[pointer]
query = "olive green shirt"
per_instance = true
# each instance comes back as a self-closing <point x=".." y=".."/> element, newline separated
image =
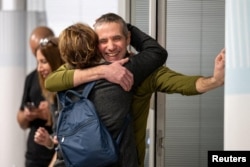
<point x="162" y="80"/>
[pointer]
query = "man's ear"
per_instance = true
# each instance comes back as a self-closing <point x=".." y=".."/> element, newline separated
<point x="128" y="38"/>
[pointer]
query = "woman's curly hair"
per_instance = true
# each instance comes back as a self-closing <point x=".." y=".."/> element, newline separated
<point x="78" y="45"/>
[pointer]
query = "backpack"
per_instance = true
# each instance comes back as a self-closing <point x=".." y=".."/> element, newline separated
<point x="83" y="139"/>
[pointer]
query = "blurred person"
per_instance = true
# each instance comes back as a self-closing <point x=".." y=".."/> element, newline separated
<point x="48" y="59"/>
<point x="34" y="111"/>
<point x="163" y="80"/>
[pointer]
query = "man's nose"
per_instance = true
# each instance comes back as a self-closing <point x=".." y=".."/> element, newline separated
<point x="111" y="45"/>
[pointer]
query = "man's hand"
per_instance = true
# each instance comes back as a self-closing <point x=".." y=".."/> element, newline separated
<point x="30" y="114"/>
<point x="219" y="68"/>
<point x="117" y="73"/>
<point x="204" y="84"/>
<point x="42" y="112"/>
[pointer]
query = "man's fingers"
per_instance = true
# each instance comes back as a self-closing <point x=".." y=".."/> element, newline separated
<point x="123" y="61"/>
<point x="221" y="56"/>
<point x="124" y="86"/>
<point x="127" y="81"/>
<point x="222" y="53"/>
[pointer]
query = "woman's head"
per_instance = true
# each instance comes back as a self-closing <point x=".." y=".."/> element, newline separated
<point x="48" y="56"/>
<point x="78" y="45"/>
<point x="48" y="60"/>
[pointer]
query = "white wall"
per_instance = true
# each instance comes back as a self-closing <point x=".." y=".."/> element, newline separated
<point x="12" y="74"/>
<point x="61" y="15"/>
<point x="237" y="81"/>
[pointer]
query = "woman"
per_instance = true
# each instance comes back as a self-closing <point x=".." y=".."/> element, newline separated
<point x="48" y="59"/>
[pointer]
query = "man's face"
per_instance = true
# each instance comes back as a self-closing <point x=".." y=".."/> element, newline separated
<point x="112" y="42"/>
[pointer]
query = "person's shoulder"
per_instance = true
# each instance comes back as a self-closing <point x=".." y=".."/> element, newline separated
<point x="32" y="74"/>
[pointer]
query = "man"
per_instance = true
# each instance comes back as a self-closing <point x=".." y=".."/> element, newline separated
<point x="34" y="110"/>
<point x="163" y="79"/>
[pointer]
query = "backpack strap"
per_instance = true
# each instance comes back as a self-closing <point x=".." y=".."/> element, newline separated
<point x="85" y="93"/>
<point x="63" y="98"/>
<point x="87" y="88"/>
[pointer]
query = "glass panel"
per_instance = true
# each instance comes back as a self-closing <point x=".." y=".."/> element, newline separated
<point x="140" y="18"/>
<point x="194" y="124"/>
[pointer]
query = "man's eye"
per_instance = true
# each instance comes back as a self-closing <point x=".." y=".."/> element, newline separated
<point x="102" y="41"/>
<point x="117" y="38"/>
